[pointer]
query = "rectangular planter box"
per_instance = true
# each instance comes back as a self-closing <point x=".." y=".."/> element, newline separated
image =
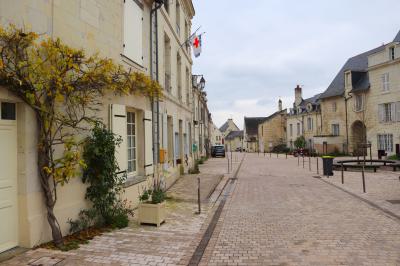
<point x="152" y="213"/>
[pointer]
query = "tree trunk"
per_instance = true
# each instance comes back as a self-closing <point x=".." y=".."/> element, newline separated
<point x="50" y="201"/>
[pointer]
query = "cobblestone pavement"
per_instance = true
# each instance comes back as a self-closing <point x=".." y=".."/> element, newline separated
<point x="171" y="244"/>
<point x="278" y="214"/>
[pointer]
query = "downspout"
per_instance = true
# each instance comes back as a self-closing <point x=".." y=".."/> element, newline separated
<point x="155" y="107"/>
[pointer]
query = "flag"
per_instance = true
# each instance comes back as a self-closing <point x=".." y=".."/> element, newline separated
<point x="196" y="45"/>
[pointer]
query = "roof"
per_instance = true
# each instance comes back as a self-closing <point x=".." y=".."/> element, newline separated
<point x="356" y="63"/>
<point x="397" y="38"/>
<point x="313" y="100"/>
<point x="225" y="126"/>
<point x="251" y="124"/>
<point x="234" y="134"/>
<point x="273" y="115"/>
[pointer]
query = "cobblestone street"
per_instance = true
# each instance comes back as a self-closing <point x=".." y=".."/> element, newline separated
<point x="276" y="213"/>
<point x="279" y="214"/>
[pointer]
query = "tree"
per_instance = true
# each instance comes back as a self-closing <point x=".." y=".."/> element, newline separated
<point x="64" y="87"/>
<point x="300" y="142"/>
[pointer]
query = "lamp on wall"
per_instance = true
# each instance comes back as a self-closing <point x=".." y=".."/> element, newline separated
<point x="201" y="84"/>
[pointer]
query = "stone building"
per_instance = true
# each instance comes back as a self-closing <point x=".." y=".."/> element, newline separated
<point x="250" y="133"/>
<point x="304" y="119"/>
<point x="234" y="140"/>
<point x="228" y="127"/>
<point x="123" y="31"/>
<point x="360" y="107"/>
<point x="272" y="130"/>
<point x="216" y="137"/>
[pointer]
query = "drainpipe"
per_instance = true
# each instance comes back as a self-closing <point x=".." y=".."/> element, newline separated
<point x="347" y="122"/>
<point x="155" y="107"/>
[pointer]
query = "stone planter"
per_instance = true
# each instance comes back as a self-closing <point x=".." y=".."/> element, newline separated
<point x="152" y="213"/>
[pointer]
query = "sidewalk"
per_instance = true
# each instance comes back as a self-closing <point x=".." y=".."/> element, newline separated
<point x="171" y="244"/>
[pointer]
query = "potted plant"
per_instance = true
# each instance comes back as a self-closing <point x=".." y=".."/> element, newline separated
<point x="152" y="204"/>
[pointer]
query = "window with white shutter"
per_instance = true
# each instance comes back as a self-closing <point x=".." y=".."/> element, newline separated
<point x="133" y="31"/>
<point x="131" y="125"/>
<point x="385" y="82"/>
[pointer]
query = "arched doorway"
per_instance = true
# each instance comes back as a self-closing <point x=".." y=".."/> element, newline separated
<point x="359" y="136"/>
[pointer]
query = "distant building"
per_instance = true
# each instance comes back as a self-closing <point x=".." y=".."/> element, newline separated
<point x="234" y="140"/>
<point x="216" y="136"/>
<point x="228" y="126"/>
<point x="304" y="119"/>
<point x="272" y="130"/>
<point x="250" y="133"/>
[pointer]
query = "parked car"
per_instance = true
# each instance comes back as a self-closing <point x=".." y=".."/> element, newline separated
<point x="218" y="151"/>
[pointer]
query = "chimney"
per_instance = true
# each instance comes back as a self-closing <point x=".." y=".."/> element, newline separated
<point x="280" y="105"/>
<point x="297" y="96"/>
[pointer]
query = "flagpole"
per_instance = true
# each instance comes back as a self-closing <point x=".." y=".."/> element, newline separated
<point x="190" y="36"/>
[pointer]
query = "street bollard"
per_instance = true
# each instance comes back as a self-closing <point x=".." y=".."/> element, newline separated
<point x="298" y="160"/>
<point x="317" y="166"/>
<point x="303" y="160"/>
<point x="309" y="163"/>
<point x="286" y="155"/>
<point x="342" y="173"/>
<point x="270" y="154"/>
<point x="363" y="179"/>
<point x="277" y="155"/>
<point x="198" y="193"/>
<point x="228" y="165"/>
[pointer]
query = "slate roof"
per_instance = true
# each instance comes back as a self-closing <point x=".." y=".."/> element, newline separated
<point x="274" y="114"/>
<point x="358" y="63"/>
<point x="234" y="134"/>
<point x="397" y="38"/>
<point x="225" y="126"/>
<point x="251" y="124"/>
<point x="314" y="100"/>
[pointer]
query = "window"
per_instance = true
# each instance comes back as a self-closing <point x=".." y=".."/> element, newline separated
<point x="167" y="63"/>
<point x="334" y="107"/>
<point x="385" y="82"/>
<point x="179" y="76"/>
<point x="178" y="18"/>
<point x="385" y="142"/>
<point x="335" y="129"/>
<point x="359" y="103"/>
<point x="131" y="144"/>
<point x="298" y="129"/>
<point x="392" y="53"/>
<point x="348" y="79"/>
<point x="8" y="111"/>
<point x="291" y="129"/>
<point x="309" y="123"/>
<point x="133" y="31"/>
<point x="387" y="112"/>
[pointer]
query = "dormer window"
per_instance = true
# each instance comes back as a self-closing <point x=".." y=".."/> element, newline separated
<point x="392" y="53"/>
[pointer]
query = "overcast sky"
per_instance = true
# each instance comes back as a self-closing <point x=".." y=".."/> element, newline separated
<point x="256" y="51"/>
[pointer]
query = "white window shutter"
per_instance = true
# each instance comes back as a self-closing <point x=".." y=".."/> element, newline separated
<point x="393" y="112"/>
<point x="398" y="111"/>
<point x="381" y="113"/>
<point x="133" y="31"/>
<point x="148" y="143"/>
<point x="119" y="128"/>
<point x="165" y="131"/>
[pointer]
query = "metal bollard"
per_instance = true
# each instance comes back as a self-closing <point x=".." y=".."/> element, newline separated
<point x="198" y="194"/>
<point x="342" y="173"/>
<point x="363" y="179"/>
<point x="309" y="163"/>
<point x="228" y="165"/>
<point x="303" y="160"/>
<point x="317" y="166"/>
<point x="270" y="154"/>
<point x="286" y="155"/>
<point x="298" y="160"/>
<point x="277" y="155"/>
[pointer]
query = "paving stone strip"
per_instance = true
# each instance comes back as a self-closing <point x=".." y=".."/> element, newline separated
<point x="198" y="254"/>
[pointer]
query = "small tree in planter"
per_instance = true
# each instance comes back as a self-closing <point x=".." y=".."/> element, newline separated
<point x="300" y="142"/>
<point x="152" y="204"/>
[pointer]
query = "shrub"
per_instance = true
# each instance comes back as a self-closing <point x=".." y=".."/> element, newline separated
<point x="394" y="157"/>
<point x="105" y="186"/>
<point x="280" y="148"/>
<point x="300" y="142"/>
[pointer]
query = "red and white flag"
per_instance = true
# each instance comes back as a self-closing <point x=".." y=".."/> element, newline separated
<point x="196" y="45"/>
